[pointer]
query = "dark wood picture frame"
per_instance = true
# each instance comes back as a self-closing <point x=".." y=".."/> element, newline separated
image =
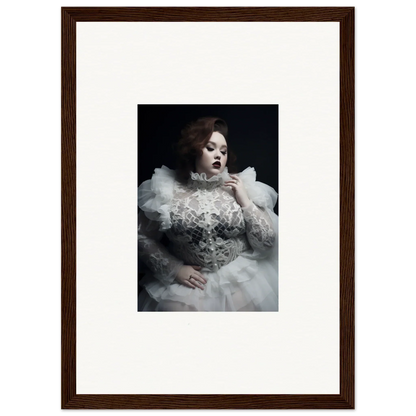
<point x="71" y="400"/>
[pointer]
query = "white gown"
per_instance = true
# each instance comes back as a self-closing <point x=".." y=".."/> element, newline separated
<point x="236" y="247"/>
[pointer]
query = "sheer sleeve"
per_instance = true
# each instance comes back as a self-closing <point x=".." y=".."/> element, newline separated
<point x="154" y="200"/>
<point x="155" y="197"/>
<point x="259" y="228"/>
<point x="261" y="221"/>
<point x="155" y="255"/>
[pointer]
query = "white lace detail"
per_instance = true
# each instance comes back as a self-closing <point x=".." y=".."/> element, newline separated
<point x="154" y="254"/>
<point x="200" y="180"/>
<point x="208" y="228"/>
<point x="259" y="230"/>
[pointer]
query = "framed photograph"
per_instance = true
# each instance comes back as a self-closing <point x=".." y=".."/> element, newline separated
<point x="202" y="220"/>
<point x="275" y="85"/>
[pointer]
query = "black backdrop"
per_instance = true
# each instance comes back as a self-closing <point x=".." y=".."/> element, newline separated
<point x="252" y="131"/>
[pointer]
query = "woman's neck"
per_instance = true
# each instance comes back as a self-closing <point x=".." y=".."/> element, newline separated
<point x="201" y="180"/>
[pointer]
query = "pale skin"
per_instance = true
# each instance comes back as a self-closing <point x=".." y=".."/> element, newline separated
<point x="214" y="151"/>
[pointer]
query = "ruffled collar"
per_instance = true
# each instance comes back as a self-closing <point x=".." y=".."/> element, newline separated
<point x="200" y="180"/>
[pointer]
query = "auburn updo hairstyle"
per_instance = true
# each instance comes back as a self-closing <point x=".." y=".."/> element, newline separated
<point x="194" y="138"/>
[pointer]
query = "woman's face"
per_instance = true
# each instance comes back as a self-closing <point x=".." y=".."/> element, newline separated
<point x="214" y="156"/>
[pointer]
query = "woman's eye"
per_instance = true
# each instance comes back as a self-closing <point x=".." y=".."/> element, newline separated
<point x="210" y="149"/>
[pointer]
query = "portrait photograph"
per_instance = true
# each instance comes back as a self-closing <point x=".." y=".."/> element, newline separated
<point x="204" y="165"/>
<point x="207" y="198"/>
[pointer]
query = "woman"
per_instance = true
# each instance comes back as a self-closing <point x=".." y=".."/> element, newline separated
<point x="222" y="230"/>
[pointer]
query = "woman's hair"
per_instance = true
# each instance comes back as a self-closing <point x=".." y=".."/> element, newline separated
<point x="194" y="138"/>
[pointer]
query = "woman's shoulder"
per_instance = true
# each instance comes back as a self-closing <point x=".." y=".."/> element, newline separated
<point x="248" y="174"/>
<point x="162" y="178"/>
<point x="155" y="195"/>
<point x="164" y="171"/>
<point x="159" y="187"/>
<point x="163" y="174"/>
<point x="260" y="193"/>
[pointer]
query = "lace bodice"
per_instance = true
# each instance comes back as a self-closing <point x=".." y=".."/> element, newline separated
<point x="205" y="225"/>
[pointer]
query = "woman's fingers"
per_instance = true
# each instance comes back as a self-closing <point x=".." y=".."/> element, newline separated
<point x="198" y="279"/>
<point x="231" y="182"/>
<point x="191" y="278"/>
<point x="193" y="282"/>
<point x="189" y="284"/>
<point x="199" y="275"/>
<point x="198" y="284"/>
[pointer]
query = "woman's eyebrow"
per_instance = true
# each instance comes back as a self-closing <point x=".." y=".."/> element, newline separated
<point x="214" y="144"/>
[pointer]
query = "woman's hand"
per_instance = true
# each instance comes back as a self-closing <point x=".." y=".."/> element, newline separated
<point x="191" y="277"/>
<point x="239" y="190"/>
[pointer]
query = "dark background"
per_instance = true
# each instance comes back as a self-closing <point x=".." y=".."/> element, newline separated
<point x="252" y="135"/>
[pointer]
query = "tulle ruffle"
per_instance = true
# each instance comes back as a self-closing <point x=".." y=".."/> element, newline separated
<point x="243" y="284"/>
<point x="155" y="196"/>
<point x="249" y="283"/>
<point x="261" y="194"/>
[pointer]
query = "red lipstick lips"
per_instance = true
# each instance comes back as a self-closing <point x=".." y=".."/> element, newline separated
<point x="216" y="164"/>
